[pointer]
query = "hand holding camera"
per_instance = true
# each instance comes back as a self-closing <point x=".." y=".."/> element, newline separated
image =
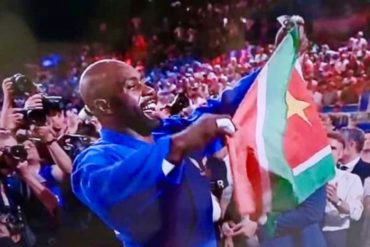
<point x="13" y="156"/>
<point x="8" y="88"/>
<point x="74" y="144"/>
<point x="11" y="118"/>
<point x="23" y="167"/>
<point x="45" y="133"/>
<point x="34" y="102"/>
<point x="37" y="106"/>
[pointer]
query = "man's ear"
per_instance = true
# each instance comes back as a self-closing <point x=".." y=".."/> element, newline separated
<point x="103" y="106"/>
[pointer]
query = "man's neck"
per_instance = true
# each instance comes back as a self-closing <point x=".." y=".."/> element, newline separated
<point x="120" y="127"/>
<point x="351" y="158"/>
<point x="136" y="135"/>
<point x="365" y="156"/>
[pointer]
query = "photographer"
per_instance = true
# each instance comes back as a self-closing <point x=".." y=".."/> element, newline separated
<point x="10" y="229"/>
<point x="6" y="239"/>
<point x="17" y="177"/>
<point x="9" y="118"/>
<point x="63" y="163"/>
<point x="43" y="179"/>
<point x="36" y="118"/>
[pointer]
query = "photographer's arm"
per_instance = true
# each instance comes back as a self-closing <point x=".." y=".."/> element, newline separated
<point x="7" y="91"/>
<point x="7" y="103"/>
<point x="63" y="167"/>
<point x="41" y="192"/>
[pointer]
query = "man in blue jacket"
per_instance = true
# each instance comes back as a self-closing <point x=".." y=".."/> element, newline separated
<point x="299" y="227"/>
<point x="138" y="178"/>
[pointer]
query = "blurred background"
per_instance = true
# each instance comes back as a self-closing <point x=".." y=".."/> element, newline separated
<point x="31" y="30"/>
<point x="189" y="51"/>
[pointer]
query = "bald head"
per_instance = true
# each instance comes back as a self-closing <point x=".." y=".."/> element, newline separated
<point x="114" y="93"/>
<point x="103" y="79"/>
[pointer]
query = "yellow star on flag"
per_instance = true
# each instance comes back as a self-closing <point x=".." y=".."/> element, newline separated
<point x="296" y="106"/>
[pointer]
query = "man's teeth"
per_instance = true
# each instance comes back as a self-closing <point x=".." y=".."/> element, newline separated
<point x="150" y="107"/>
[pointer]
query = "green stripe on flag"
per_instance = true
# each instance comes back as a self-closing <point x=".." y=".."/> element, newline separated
<point x="295" y="36"/>
<point x="316" y="175"/>
<point x="279" y="72"/>
<point x="304" y="185"/>
<point x="283" y="196"/>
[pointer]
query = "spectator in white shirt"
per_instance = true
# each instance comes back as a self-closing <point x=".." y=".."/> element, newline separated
<point x="360" y="41"/>
<point x="345" y="194"/>
<point x="351" y="159"/>
<point x="365" y="231"/>
<point x="365" y="155"/>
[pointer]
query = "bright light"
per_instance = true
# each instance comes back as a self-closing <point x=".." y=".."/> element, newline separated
<point x="225" y="21"/>
<point x="242" y="19"/>
<point x="176" y="4"/>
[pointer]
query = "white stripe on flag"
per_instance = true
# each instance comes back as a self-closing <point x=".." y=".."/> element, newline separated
<point x="298" y="67"/>
<point x="261" y="150"/>
<point x="312" y="160"/>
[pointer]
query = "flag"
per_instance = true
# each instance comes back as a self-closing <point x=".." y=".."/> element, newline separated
<point x="280" y="154"/>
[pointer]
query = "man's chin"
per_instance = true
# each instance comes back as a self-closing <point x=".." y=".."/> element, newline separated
<point x="152" y="115"/>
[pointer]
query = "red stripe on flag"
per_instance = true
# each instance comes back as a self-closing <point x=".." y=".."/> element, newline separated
<point x="302" y="139"/>
<point x="246" y="179"/>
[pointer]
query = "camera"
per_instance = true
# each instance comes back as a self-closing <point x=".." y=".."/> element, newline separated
<point x="50" y="104"/>
<point x="11" y="156"/>
<point x="179" y="103"/>
<point x="22" y="85"/>
<point x="17" y="152"/>
<point x="13" y="221"/>
<point x="87" y="128"/>
<point x="74" y="144"/>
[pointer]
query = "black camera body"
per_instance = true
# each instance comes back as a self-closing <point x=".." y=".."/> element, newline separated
<point x="11" y="156"/>
<point x="17" y="152"/>
<point x="38" y="116"/>
<point x="74" y="144"/>
<point x="24" y="87"/>
<point x="180" y="102"/>
<point x="13" y="221"/>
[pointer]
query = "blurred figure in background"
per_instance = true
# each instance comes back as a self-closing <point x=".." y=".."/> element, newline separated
<point x="345" y="194"/>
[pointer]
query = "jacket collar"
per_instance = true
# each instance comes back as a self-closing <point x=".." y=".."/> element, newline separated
<point x="120" y="138"/>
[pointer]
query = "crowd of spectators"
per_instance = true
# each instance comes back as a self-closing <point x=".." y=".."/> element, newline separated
<point x="337" y="77"/>
<point x="36" y="204"/>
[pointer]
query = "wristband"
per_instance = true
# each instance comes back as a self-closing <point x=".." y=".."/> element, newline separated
<point x="339" y="203"/>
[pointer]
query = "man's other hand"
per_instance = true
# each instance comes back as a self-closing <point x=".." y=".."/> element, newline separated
<point x="246" y="227"/>
<point x="199" y="134"/>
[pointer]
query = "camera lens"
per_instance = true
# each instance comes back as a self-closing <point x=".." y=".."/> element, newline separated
<point x="36" y="117"/>
<point x="18" y="152"/>
<point x="22" y="85"/>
